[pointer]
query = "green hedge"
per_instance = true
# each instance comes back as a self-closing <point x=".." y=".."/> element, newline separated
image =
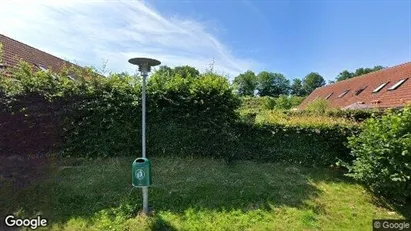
<point x="187" y="116"/>
<point x="294" y="144"/>
<point x="354" y="115"/>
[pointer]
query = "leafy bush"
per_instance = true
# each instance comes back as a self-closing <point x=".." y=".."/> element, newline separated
<point x="309" y="145"/>
<point x="351" y="115"/>
<point x="382" y="153"/>
<point x="102" y="116"/>
<point x="268" y="102"/>
<point x="355" y="115"/>
<point x="188" y="115"/>
<point x="282" y="102"/>
<point x="256" y="104"/>
<point x="296" y="101"/>
<point x="318" y="106"/>
<point x="301" y="118"/>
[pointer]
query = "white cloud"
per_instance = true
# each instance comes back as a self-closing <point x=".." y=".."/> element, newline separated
<point x="91" y="31"/>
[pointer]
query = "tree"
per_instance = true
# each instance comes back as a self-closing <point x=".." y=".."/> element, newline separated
<point x="312" y="81"/>
<point x="360" y="71"/>
<point x="161" y="76"/>
<point x="344" y="75"/>
<point x="297" y="88"/>
<point x="163" y="71"/>
<point x="245" y="83"/>
<point x="363" y="71"/>
<point x="272" y="84"/>
<point x="186" y="71"/>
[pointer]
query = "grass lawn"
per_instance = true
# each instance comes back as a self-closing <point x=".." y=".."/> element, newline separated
<point x="195" y="194"/>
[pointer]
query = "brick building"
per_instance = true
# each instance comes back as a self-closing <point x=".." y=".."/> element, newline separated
<point x="386" y="88"/>
<point x="14" y="51"/>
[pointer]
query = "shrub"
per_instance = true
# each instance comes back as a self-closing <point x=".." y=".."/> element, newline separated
<point x="318" y="106"/>
<point x="256" y="104"/>
<point x="301" y="118"/>
<point x="296" y="100"/>
<point x="382" y="153"/>
<point x="102" y="116"/>
<point x="268" y="102"/>
<point x="355" y="115"/>
<point x="305" y="145"/>
<point x="283" y="102"/>
<point x="187" y="116"/>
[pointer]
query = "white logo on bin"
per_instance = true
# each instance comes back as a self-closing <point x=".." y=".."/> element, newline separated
<point x="140" y="174"/>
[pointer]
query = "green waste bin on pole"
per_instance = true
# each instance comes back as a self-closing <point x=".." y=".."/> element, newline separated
<point x="141" y="172"/>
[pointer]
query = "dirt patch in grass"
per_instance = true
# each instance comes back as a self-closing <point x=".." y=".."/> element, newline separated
<point x="23" y="171"/>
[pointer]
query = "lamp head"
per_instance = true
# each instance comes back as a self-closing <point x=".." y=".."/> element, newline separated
<point x="144" y="64"/>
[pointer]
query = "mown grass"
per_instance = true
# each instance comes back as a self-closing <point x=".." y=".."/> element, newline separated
<point x="196" y="194"/>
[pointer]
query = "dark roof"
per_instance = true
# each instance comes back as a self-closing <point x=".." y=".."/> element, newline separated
<point x="384" y="98"/>
<point x="14" y="51"/>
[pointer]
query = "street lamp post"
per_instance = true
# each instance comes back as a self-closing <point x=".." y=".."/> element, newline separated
<point x="144" y="66"/>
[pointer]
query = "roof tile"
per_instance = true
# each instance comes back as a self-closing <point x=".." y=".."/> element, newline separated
<point x="14" y="51"/>
<point x="384" y="98"/>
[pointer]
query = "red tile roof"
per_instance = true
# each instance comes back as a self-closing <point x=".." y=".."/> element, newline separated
<point x="14" y="51"/>
<point x="382" y="99"/>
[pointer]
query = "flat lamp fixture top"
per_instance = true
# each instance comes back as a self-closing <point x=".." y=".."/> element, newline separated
<point x="144" y="61"/>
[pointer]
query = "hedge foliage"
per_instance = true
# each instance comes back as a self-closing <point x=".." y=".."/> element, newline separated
<point x="188" y="115"/>
<point x="354" y="115"/>
<point x="382" y="153"/>
<point x="282" y="102"/>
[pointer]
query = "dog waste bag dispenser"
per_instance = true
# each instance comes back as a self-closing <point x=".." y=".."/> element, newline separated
<point x="141" y="172"/>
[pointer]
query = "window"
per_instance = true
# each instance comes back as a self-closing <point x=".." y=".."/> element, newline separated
<point x="3" y="66"/>
<point x="43" y="68"/>
<point x="357" y="92"/>
<point x="379" y="87"/>
<point x="395" y="86"/>
<point x="328" y="96"/>
<point x="342" y="94"/>
<point x="71" y="77"/>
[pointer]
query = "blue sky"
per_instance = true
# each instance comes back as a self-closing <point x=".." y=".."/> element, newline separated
<point x="289" y="37"/>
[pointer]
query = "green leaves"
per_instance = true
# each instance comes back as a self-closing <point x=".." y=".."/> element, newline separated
<point x="312" y="81"/>
<point x="245" y="84"/>
<point x="102" y="116"/>
<point x="272" y="84"/>
<point x="382" y="154"/>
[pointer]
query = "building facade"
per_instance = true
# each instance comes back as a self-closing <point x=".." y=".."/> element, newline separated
<point x="386" y="88"/>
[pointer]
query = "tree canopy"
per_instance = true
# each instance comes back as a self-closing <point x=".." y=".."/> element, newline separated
<point x="265" y="83"/>
<point x="312" y="81"/>
<point x="186" y="71"/>
<point x="360" y="71"/>
<point x="245" y="84"/>
<point x="297" y="88"/>
<point x="272" y="84"/>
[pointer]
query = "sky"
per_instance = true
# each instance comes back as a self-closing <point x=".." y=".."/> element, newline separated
<point x="293" y="37"/>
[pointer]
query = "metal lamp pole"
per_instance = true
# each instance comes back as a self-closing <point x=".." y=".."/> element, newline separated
<point x="144" y="66"/>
